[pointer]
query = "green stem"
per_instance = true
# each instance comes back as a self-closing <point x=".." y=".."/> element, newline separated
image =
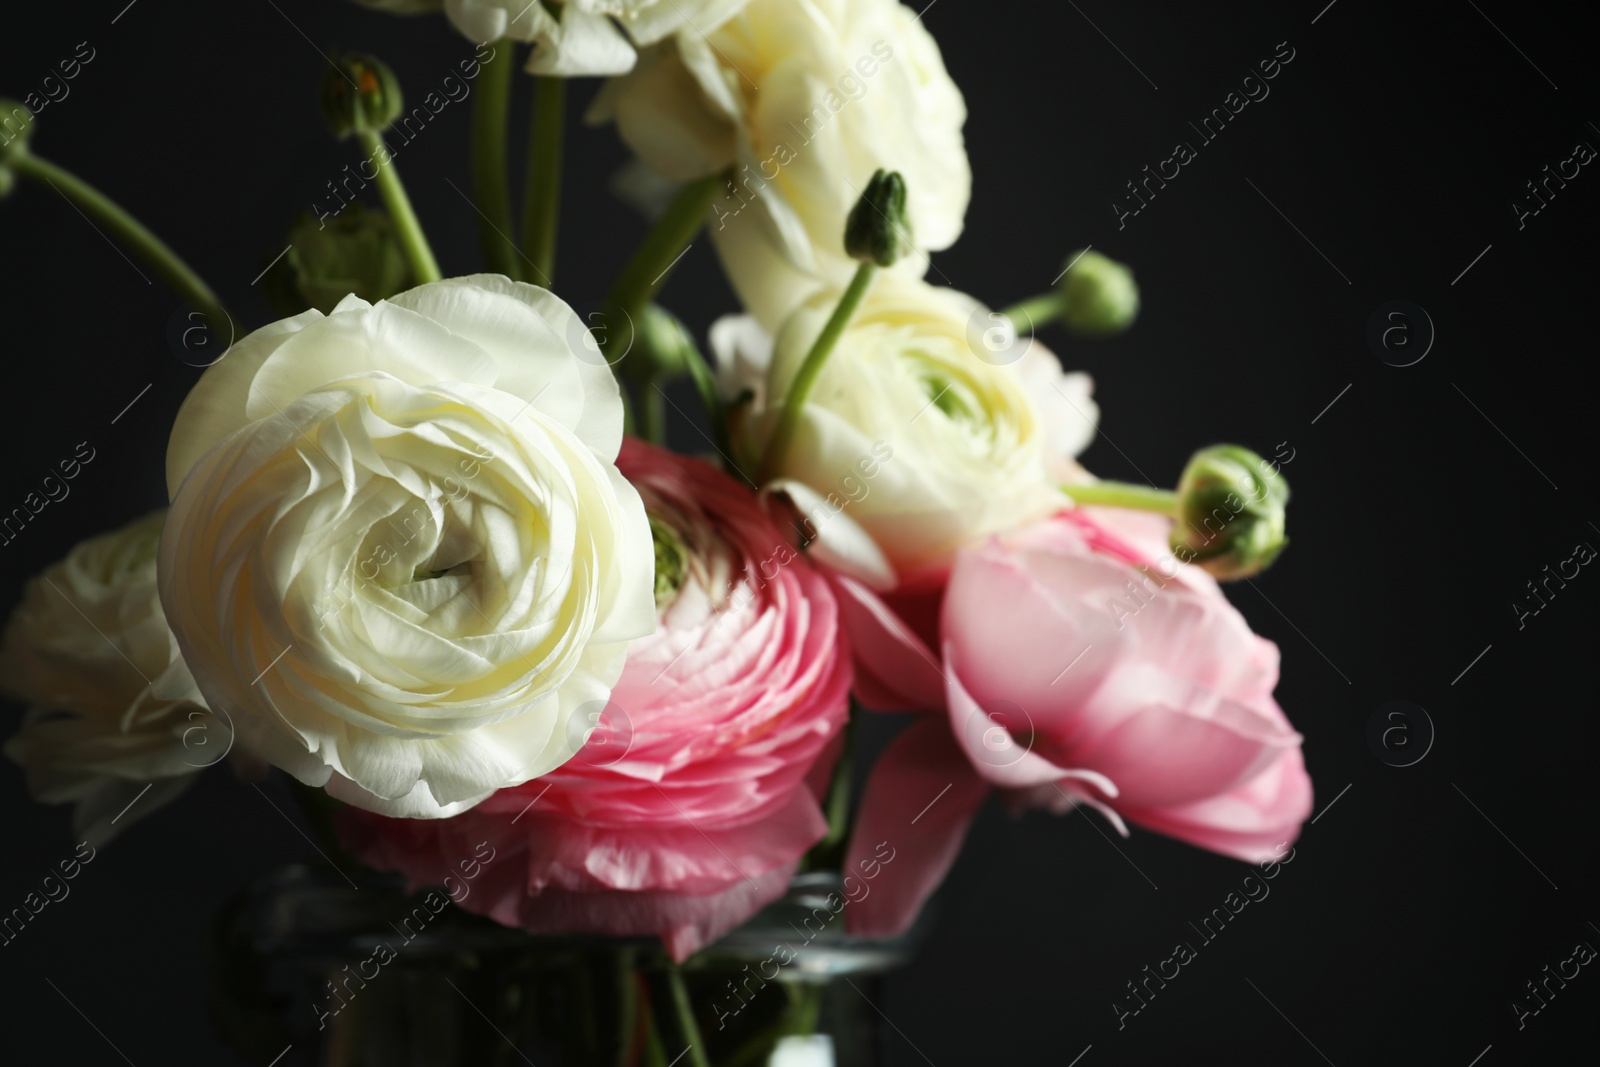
<point x="799" y="1019"/>
<point x="706" y="384"/>
<point x="542" y="199"/>
<point x="1123" y="495"/>
<point x="654" y="1054"/>
<point x="794" y="401"/>
<point x="130" y="232"/>
<point x="1038" y="310"/>
<point x="652" y="412"/>
<point x="627" y="990"/>
<point x="675" y="1029"/>
<point x="412" y="240"/>
<point x="805" y="1009"/>
<point x="491" y="189"/>
<point x="641" y="279"/>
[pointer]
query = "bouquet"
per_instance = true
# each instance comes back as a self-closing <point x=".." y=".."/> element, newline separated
<point x="425" y="552"/>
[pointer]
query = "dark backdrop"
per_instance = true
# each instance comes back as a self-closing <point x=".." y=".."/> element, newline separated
<point x="1384" y="162"/>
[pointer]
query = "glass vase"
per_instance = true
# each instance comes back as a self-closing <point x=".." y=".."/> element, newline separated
<point x="307" y="967"/>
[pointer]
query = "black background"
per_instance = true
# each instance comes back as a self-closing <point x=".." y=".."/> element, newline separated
<point x="1395" y="141"/>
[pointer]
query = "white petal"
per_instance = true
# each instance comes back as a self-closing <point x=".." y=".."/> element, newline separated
<point x="581" y="44"/>
<point x="839" y="542"/>
<point x="215" y="407"/>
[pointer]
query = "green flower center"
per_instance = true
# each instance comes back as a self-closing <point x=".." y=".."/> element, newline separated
<point x="672" y="561"/>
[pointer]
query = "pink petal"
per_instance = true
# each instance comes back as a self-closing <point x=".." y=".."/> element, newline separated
<point x="895" y="669"/>
<point x="1248" y="822"/>
<point x="1174" y="742"/>
<point x="919" y="801"/>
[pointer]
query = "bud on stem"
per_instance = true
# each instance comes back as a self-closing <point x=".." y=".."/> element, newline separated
<point x="360" y="94"/>
<point x="355" y="252"/>
<point x="1230" y="509"/>
<point x="878" y="229"/>
<point x="878" y="232"/>
<point x="1096" y="297"/>
<point x="16" y="127"/>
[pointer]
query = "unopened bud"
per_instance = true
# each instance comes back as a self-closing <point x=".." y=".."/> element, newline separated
<point x="665" y="343"/>
<point x="355" y="251"/>
<point x="360" y="94"/>
<point x="879" y="229"/>
<point x="1098" y="296"/>
<point x="16" y="126"/>
<point x="1232" y="507"/>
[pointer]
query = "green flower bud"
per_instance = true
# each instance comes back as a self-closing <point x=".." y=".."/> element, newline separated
<point x="360" y="94"/>
<point x="355" y="251"/>
<point x="672" y="561"/>
<point x="1098" y="296"/>
<point x="878" y="229"/>
<point x="666" y="344"/>
<point x="16" y="126"/>
<point x="1231" y="512"/>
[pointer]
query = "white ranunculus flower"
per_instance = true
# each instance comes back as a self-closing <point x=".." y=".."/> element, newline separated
<point x="972" y="438"/>
<point x="399" y="552"/>
<point x="112" y="709"/>
<point x="578" y="37"/>
<point x="806" y="99"/>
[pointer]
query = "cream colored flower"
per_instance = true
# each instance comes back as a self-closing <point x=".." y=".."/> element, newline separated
<point x="805" y="99"/>
<point x="113" y="711"/>
<point x="400" y="553"/>
<point x="978" y="440"/>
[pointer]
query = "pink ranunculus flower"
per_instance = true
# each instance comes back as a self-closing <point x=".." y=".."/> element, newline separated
<point x="1082" y="664"/>
<point x="695" y="796"/>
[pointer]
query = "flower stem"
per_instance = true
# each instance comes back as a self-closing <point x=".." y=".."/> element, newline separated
<point x="805" y="379"/>
<point x="626" y="985"/>
<point x="412" y="240"/>
<point x="1123" y="495"/>
<point x="652" y="412"/>
<point x="653" y="259"/>
<point x="805" y="1008"/>
<point x="491" y="189"/>
<point x="646" y="1040"/>
<point x="674" y="1016"/>
<point x="705" y="383"/>
<point x="131" y="232"/>
<point x="542" y="198"/>
<point x="654" y="1054"/>
<point x="1038" y="310"/>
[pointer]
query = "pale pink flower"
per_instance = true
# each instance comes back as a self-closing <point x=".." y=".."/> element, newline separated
<point x="1081" y="664"/>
